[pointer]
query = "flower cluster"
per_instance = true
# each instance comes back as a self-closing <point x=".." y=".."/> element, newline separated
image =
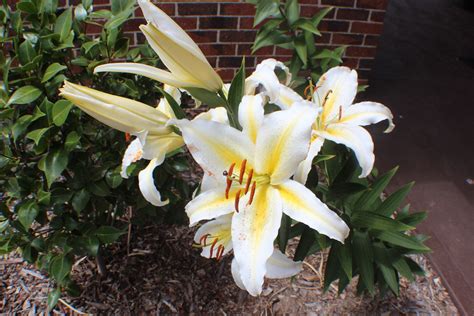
<point x="255" y="170"/>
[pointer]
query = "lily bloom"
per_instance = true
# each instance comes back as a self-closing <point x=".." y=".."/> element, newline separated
<point x="339" y="120"/>
<point x="253" y="182"/>
<point x="187" y="65"/>
<point x="215" y="239"/>
<point x="265" y="79"/>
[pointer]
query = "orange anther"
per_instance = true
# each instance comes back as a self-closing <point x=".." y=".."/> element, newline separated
<point x="340" y="112"/>
<point x="212" y="247"/>
<point x="220" y="252"/>
<point x="252" y="193"/>
<point x="237" y="199"/>
<point x="242" y="170"/>
<point x="127" y="137"/>
<point x="229" y="179"/>
<point x="203" y="239"/>
<point x="249" y="180"/>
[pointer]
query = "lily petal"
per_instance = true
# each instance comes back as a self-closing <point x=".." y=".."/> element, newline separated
<point x="133" y="153"/>
<point x="336" y="88"/>
<point x="217" y="230"/>
<point x="265" y="79"/>
<point x="277" y="65"/>
<point x="235" y="269"/>
<point x="355" y="138"/>
<point x="218" y="114"/>
<point x="146" y="183"/>
<point x="158" y="145"/>
<point x="280" y="266"/>
<point x="254" y="229"/>
<point x="301" y="174"/>
<point x="146" y="71"/>
<point x="302" y="205"/>
<point x="216" y="146"/>
<point x="366" y="113"/>
<point x="164" y="106"/>
<point x="287" y="97"/>
<point x="251" y="115"/>
<point x="283" y="142"/>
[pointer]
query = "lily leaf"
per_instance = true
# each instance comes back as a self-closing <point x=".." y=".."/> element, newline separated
<point x="52" y="70"/>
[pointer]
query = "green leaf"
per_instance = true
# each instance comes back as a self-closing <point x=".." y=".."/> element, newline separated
<point x="392" y="203"/>
<point x="236" y="90"/>
<point x="60" y="267"/>
<point x="390" y="277"/>
<point x="373" y="193"/>
<point x="300" y="47"/>
<point x="118" y="6"/>
<point x="206" y="97"/>
<point x="413" y="219"/>
<point x="53" y="164"/>
<point x="52" y="70"/>
<point x="292" y="11"/>
<point x="363" y="254"/>
<point x="375" y="221"/>
<point x="72" y="140"/>
<point x="264" y="9"/>
<point x="37" y="134"/>
<point x="89" y="45"/>
<point x="344" y="254"/>
<point x="53" y="298"/>
<point x="331" y="272"/>
<point x="21" y="125"/>
<point x="400" y="239"/>
<point x="61" y="111"/>
<point x="27" y="213"/>
<point x="43" y="197"/>
<point x="306" y="241"/>
<point x="99" y="188"/>
<point x="27" y="7"/>
<point x="316" y="19"/>
<point x="26" y="52"/>
<point x="80" y="200"/>
<point x="273" y="37"/>
<point x="113" y="178"/>
<point x="307" y="25"/>
<point x="177" y="110"/>
<point x="284" y="232"/>
<point x="403" y="268"/>
<point x="24" y="95"/>
<point x="108" y="234"/>
<point x="63" y="24"/>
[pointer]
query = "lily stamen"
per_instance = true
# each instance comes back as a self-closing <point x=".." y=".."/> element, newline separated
<point x="252" y="193"/>
<point x="237" y="199"/>
<point x="340" y="113"/>
<point x="327" y="97"/>
<point x="220" y="252"/>
<point x="249" y="180"/>
<point x="203" y="239"/>
<point x="228" y="175"/>
<point x="212" y="247"/>
<point x="242" y="170"/>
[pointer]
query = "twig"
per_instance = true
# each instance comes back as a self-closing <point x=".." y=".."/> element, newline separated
<point x="72" y="308"/>
<point x="33" y="273"/>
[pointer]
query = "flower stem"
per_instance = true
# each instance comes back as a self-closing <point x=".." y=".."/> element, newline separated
<point x="230" y="113"/>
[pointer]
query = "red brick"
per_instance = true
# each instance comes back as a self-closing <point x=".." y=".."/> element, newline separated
<point x="366" y="63"/>
<point x="339" y="3"/>
<point x="350" y="62"/>
<point x="347" y="39"/>
<point x="197" y="8"/>
<point x="203" y="36"/>
<point x="215" y="22"/>
<point x="212" y="61"/>
<point x="218" y="49"/>
<point x="237" y="36"/>
<point x="239" y="9"/>
<point x="226" y="74"/>
<point x="133" y="24"/>
<point x="93" y="29"/>
<point x="377" y="16"/>
<point x="352" y="14"/>
<point x="186" y="23"/>
<point x="363" y="74"/>
<point x="283" y="52"/>
<point x="334" y="26"/>
<point x="246" y="49"/>
<point x="168" y="8"/>
<point x="310" y="11"/>
<point x="359" y="51"/>
<point x="325" y="38"/>
<point x="246" y="23"/>
<point x="366" y="28"/>
<point x="371" y="40"/>
<point x="372" y="4"/>
<point x="280" y="58"/>
<point x="235" y="61"/>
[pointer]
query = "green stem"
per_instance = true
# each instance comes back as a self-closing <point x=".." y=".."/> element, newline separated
<point x="230" y="113"/>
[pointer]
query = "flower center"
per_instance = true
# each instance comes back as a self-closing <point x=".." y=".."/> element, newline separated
<point x="215" y="242"/>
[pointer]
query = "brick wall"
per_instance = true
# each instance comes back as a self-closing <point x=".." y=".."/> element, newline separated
<point x="223" y="30"/>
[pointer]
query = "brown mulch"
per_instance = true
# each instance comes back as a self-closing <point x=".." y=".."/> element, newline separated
<point x="163" y="274"/>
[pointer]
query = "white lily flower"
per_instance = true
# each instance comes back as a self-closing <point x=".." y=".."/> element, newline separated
<point x="154" y="138"/>
<point x="265" y="78"/>
<point x="340" y="121"/>
<point x="255" y="186"/>
<point x="188" y="67"/>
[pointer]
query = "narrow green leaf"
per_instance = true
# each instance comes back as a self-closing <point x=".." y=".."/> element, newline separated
<point x="413" y="219"/>
<point x="415" y="267"/>
<point x="236" y="90"/>
<point x="284" y="232"/>
<point x="53" y="298"/>
<point x="375" y="221"/>
<point x="60" y="267"/>
<point x="316" y="19"/>
<point x="52" y="70"/>
<point x="300" y="47"/>
<point x="400" y="239"/>
<point x="24" y="95"/>
<point x="206" y="97"/>
<point x="37" y="134"/>
<point x="363" y="256"/>
<point x="344" y="254"/>
<point x="390" y="277"/>
<point x="108" y="234"/>
<point x="307" y="25"/>
<point x="27" y="213"/>
<point x="392" y="203"/>
<point x="63" y="24"/>
<point x="177" y="110"/>
<point x="264" y="9"/>
<point x="292" y="11"/>
<point x="61" y="111"/>
<point x="403" y="268"/>
<point x="306" y="241"/>
<point x="374" y="192"/>
<point x="331" y="272"/>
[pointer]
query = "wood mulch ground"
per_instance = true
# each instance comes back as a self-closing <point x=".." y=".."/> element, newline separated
<point x="163" y="274"/>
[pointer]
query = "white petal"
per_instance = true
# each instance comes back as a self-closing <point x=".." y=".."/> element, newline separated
<point x="216" y="229"/>
<point x="218" y="114"/>
<point x="146" y="183"/>
<point x="158" y="145"/>
<point x="283" y="142"/>
<point x="305" y="166"/>
<point x="266" y="80"/>
<point x="133" y="153"/>
<point x="208" y="182"/>
<point x="335" y="89"/>
<point x="366" y="113"/>
<point x="210" y="204"/>
<point x="280" y="266"/>
<point x="275" y="64"/>
<point x="251" y="115"/>
<point x="303" y="206"/>
<point x="146" y="71"/>
<point x="236" y="274"/>
<point x="254" y="230"/>
<point x="355" y="138"/>
<point x="287" y="97"/>
<point x="216" y="146"/>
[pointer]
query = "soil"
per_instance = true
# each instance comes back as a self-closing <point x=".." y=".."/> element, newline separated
<point x="164" y="274"/>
